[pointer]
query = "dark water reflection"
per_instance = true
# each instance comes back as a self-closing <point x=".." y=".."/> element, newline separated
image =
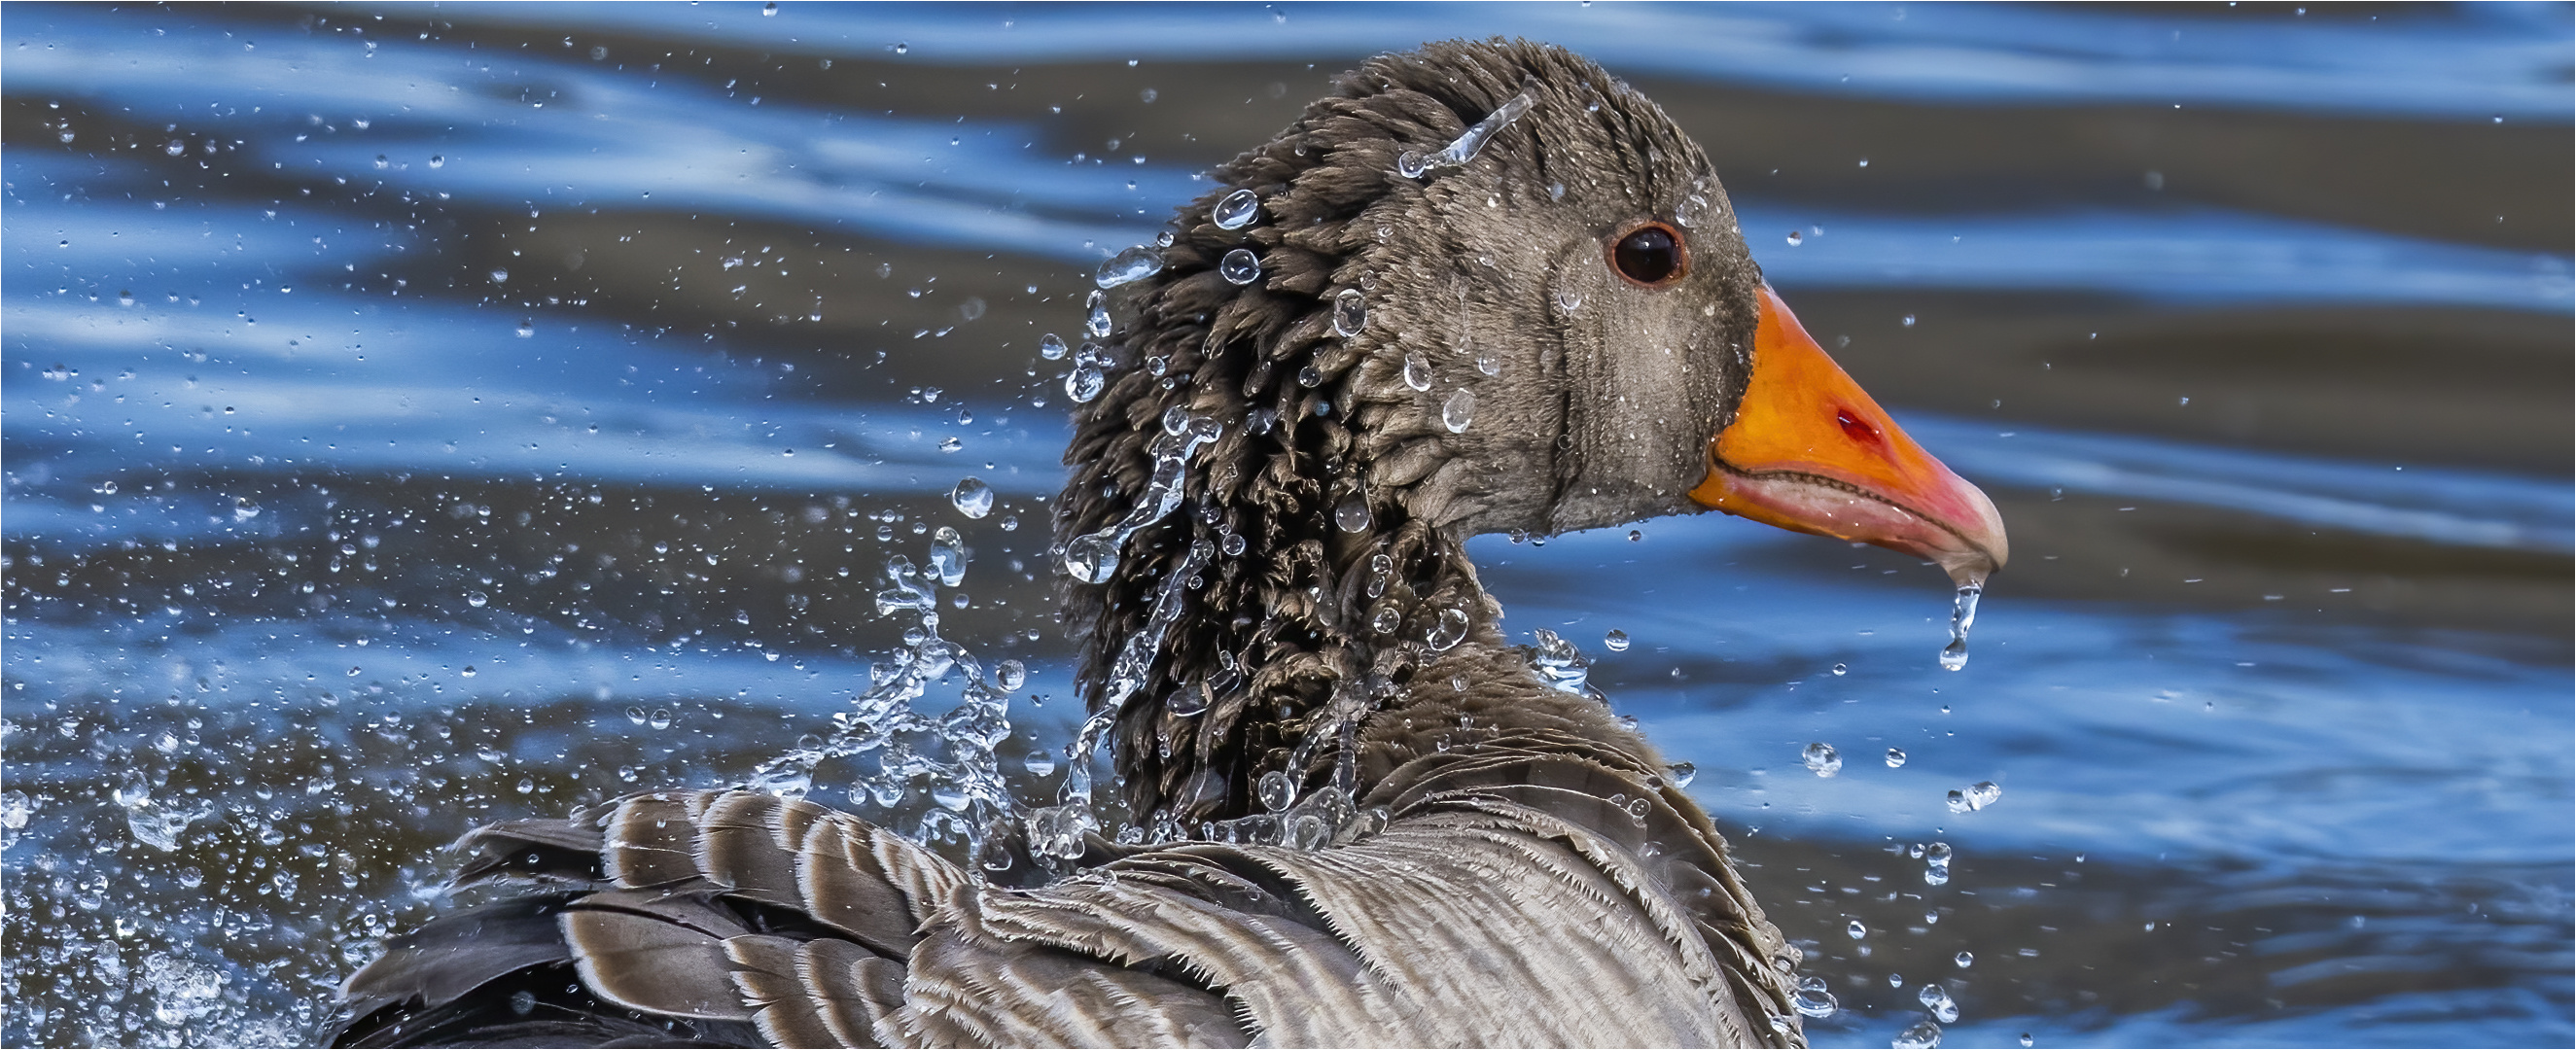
<point x="417" y="417"/>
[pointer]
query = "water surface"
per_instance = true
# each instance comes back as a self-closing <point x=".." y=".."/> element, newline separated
<point x="421" y="416"/>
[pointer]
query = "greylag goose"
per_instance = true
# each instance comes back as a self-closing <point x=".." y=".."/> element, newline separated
<point x="1482" y="287"/>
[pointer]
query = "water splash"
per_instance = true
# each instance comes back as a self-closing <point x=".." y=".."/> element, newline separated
<point x="1963" y="615"/>
<point x="1093" y="557"/>
<point x="1058" y="830"/>
<point x="953" y="755"/>
<point x="1464" y="148"/>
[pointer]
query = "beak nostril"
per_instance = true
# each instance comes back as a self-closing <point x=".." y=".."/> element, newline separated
<point x="1859" y="429"/>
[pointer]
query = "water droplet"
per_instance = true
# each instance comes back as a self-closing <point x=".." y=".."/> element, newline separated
<point x="1051" y="346"/>
<point x="1459" y="411"/>
<point x="1134" y="264"/>
<point x="1922" y="1035"/>
<point x="948" y="556"/>
<point x="1350" y="311"/>
<point x="1964" y="959"/>
<point x="1615" y="641"/>
<point x="1821" y="759"/>
<point x="1487" y="363"/>
<point x="1569" y="300"/>
<point x="499" y="275"/>
<point x="1796" y="238"/>
<point x="1682" y="773"/>
<point x="1236" y="210"/>
<point x="951" y="444"/>
<point x="635" y="715"/>
<point x="1936" y="864"/>
<point x="1309" y="377"/>
<point x="1417" y="372"/>
<point x="1812" y="998"/>
<point x="769" y="10"/>
<point x="1409" y="164"/>
<point x="477" y="599"/>
<point x="1275" y="791"/>
<point x="1895" y="758"/>
<point x="1693" y="210"/>
<point x="2025" y="1039"/>
<point x="1447" y="631"/>
<point x="1909" y="320"/>
<point x="659" y="719"/>
<point x="1095" y="320"/>
<point x="1039" y="762"/>
<point x="1186" y="701"/>
<point x="1233" y="544"/>
<point x="1841" y="670"/>
<point x="438" y="160"/>
<point x="1352" y="515"/>
<point x="1469" y="143"/>
<point x="973" y="498"/>
<point x="1963" y="615"/>
<point x="1856" y="930"/>
<point x="1935" y="999"/>
<point x="1239" y="266"/>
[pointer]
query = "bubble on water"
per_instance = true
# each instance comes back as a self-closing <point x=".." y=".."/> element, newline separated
<point x="1813" y="999"/>
<point x="1350" y="312"/>
<point x="1236" y="210"/>
<point x="1964" y="959"/>
<point x="1936" y="999"/>
<point x="1459" y="411"/>
<point x="973" y="497"/>
<point x="1895" y="757"/>
<point x="1922" y="1035"/>
<point x="1134" y="264"/>
<point x="1682" y="773"/>
<point x="1239" y="266"/>
<point x="1822" y="759"/>
<point x="1856" y="930"/>
<point x="1051" y="346"/>
<point x="1963" y="615"/>
<point x="1616" y="641"/>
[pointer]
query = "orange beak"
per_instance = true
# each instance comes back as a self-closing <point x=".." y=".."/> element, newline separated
<point x="1810" y="452"/>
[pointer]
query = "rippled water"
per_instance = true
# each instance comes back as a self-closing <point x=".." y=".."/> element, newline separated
<point x="421" y="416"/>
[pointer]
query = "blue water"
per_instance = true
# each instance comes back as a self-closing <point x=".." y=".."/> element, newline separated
<point x="336" y="528"/>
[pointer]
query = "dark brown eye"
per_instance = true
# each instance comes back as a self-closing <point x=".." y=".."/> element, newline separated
<point x="1651" y="255"/>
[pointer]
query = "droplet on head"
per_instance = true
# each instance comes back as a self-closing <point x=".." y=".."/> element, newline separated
<point x="1239" y="266"/>
<point x="1236" y="210"/>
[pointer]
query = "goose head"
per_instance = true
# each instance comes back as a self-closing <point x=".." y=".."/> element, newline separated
<point x="1481" y="287"/>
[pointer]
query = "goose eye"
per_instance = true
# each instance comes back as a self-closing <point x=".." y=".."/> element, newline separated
<point x="1650" y="255"/>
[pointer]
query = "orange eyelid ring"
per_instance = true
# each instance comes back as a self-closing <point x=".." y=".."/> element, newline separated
<point x="1810" y="451"/>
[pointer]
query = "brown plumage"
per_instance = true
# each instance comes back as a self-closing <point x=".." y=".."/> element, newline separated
<point x="1535" y="880"/>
